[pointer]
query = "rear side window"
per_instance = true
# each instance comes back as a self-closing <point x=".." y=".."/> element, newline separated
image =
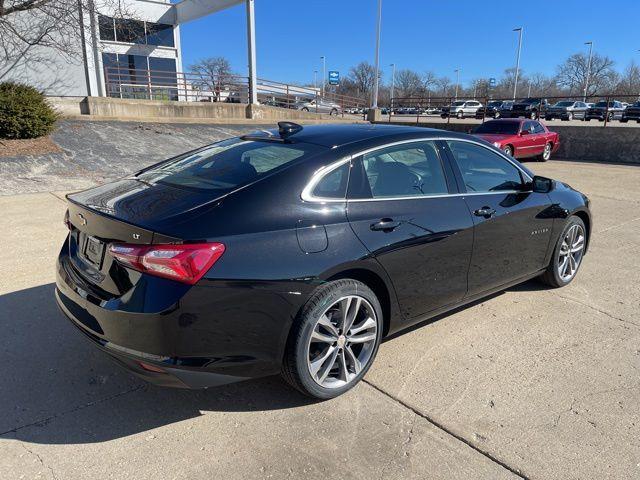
<point x="405" y="170"/>
<point x="538" y="128"/>
<point x="226" y="165"/>
<point x="484" y="170"/>
<point x="333" y="184"/>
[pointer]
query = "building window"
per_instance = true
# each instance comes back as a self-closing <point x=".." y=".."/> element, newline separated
<point x="138" y="76"/>
<point x="160" y="34"/>
<point x="130" y="31"/>
<point x="105" y="25"/>
<point x="135" y="31"/>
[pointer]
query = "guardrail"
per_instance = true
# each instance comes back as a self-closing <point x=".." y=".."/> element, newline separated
<point x="604" y="108"/>
<point x="122" y="81"/>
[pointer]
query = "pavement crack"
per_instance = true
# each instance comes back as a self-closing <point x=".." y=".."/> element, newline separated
<point x="35" y="454"/>
<point x="599" y="310"/>
<point x="514" y="470"/>
<point x="44" y="421"/>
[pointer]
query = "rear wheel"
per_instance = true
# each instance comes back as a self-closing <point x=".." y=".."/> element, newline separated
<point x="334" y="340"/>
<point x="304" y="109"/>
<point x="533" y="115"/>
<point x="333" y="112"/>
<point x="567" y="255"/>
<point x="460" y="115"/>
<point x="546" y="153"/>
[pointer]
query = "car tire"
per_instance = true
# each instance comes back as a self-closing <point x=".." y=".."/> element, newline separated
<point x="333" y="112"/>
<point x="496" y="115"/>
<point x="553" y="274"/>
<point x="570" y="116"/>
<point x="342" y="364"/>
<point x="546" y="153"/>
<point x="460" y="115"/>
<point x="304" y="109"/>
<point x="624" y="120"/>
<point x="508" y="150"/>
<point x="533" y="115"/>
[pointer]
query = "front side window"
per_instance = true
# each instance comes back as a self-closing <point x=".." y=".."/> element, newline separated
<point x="529" y="127"/>
<point x="484" y="170"/>
<point x="404" y="171"/>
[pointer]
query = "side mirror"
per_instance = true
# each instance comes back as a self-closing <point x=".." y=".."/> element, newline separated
<point x="524" y="132"/>
<point x="541" y="184"/>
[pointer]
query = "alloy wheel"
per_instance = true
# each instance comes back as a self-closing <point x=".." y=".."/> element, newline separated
<point x="571" y="251"/>
<point x="546" y="155"/>
<point x="342" y="342"/>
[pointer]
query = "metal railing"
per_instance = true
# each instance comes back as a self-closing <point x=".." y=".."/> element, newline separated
<point x="608" y="107"/>
<point x="122" y="81"/>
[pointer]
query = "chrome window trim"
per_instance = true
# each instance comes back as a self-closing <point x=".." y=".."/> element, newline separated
<point x="307" y="195"/>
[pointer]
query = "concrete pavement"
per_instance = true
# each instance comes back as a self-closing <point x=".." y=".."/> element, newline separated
<point x="530" y="383"/>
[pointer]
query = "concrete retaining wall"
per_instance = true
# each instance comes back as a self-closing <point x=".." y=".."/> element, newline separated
<point x="611" y="144"/>
<point x="142" y="109"/>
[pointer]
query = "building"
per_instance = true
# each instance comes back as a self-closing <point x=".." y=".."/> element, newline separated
<point x="131" y="49"/>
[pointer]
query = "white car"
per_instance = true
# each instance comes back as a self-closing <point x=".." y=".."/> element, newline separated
<point x="462" y="109"/>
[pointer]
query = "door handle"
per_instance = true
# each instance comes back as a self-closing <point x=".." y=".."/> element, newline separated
<point x="385" y="225"/>
<point x="486" y="212"/>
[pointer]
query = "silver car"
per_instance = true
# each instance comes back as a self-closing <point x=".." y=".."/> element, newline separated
<point x="462" y="109"/>
<point x="318" y="105"/>
<point x="566" y="110"/>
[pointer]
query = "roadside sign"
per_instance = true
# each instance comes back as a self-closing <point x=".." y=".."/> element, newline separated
<point x="334" y="77"/>
<point x="492" y="82"/>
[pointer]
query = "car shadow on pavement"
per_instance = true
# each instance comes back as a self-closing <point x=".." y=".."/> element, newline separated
<point x="52" y="375"/>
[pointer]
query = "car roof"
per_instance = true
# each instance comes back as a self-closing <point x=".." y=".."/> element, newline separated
<point x="338" y="135"/>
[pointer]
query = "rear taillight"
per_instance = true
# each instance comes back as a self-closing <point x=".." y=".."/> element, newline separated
<point x="185" y="263"/>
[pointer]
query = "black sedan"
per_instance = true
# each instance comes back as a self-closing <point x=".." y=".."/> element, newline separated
<point x="296" y="251"/>
<point x="632" y="112"/>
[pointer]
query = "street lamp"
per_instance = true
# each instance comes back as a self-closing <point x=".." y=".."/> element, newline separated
<point x="393" y="81"/>
<point x="315" y="80"/>
<point x="377" y="80"/>
<point x="324" y="72"/>
<point x="515" y="84"/>
<point x="586" y="83"/>
<point x="457" y="70"/>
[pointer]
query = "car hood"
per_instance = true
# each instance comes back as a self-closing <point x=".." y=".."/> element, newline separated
<point x="494" y="137"/>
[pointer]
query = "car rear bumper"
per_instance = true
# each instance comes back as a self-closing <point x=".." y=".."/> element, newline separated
<point x="210" y="334"/>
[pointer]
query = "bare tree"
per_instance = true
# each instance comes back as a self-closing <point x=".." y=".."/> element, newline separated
<point x="34" y="32"/>
<point x="363" y="77"/>
<point x="572" y="74"/>
<point x="630" y="81"/>
<point x="444" y="85"/>
<point x="213" y="74"/>
<point x="429" y="80"/>
<point x="408" y="83"/>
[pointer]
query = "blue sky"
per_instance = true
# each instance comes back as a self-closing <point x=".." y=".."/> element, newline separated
<point x="437" y="35"/>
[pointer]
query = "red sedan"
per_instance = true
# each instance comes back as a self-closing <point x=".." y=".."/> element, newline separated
<point x="520" y="138"/>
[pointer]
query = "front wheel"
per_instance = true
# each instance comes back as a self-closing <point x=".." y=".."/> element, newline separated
<point x="334" y="340"/>
<point x="304" y="109"/>
<point x="333" y="112"/>
<point x="460" y="115"/>
<point x="508" y="150"/>
<point x="533" y="115"/>
<point x="567" y="255"/>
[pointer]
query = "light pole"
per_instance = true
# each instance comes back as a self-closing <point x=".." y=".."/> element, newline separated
<point x="324" y="72"/>
<point x="457" y="70"/>
<point x="515" y="83"/>
<point x="393" y="82"/>
<point x="638" y="93"/>
<point x="315" y="80"/>
<point x="586" y="83"/>
<point x="377" y="80"/>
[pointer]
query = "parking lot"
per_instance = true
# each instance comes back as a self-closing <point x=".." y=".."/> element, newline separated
<point x="531" y="383"/>
<point x="423" y="118"/>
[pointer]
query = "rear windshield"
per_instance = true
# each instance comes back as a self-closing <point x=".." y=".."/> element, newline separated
<point x="502" y="128"/>
<point x="227" y="165"/>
